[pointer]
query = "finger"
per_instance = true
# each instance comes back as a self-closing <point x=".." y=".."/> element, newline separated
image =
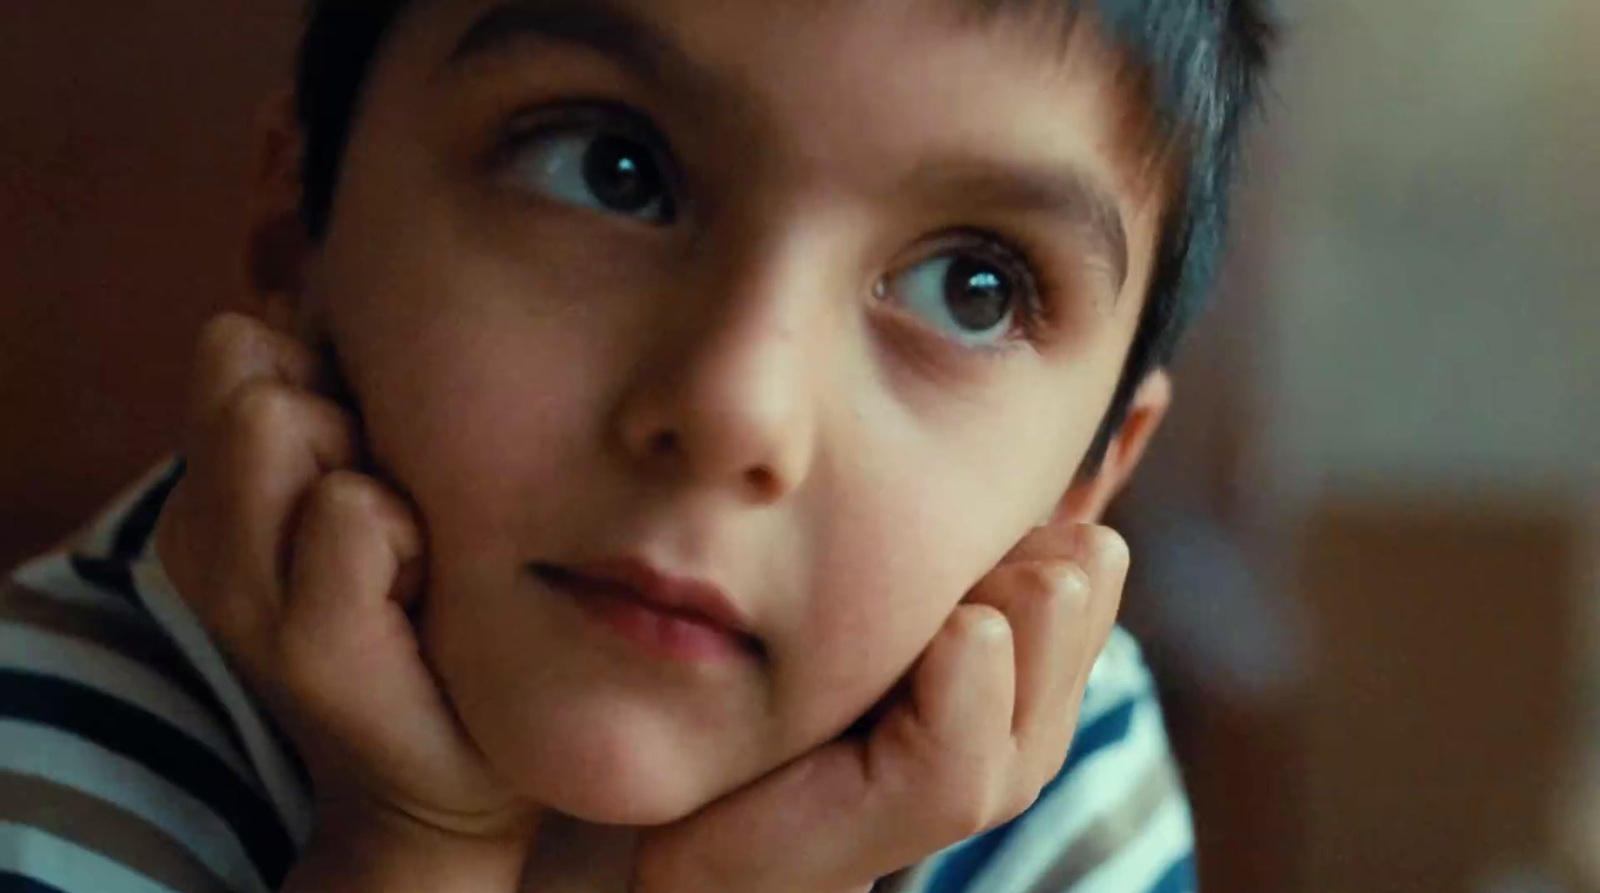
<point x="1100" y="552"/>
<point x="933" y="771"/>
<point x="1046" y="604"/>
<point x="924" y="779"/>
<point x="963" y="687"/>
<point x="230" y="520"/>
<point x="1052" y="542"/>
<point x="938" y="768"/>
<point x="350" y="655"/>
<point x="235" y="350"/>
<point x="261" y="455"/>
<point x="1045" y="591"/>
<point x="1103" y="554"/>
<point x="1061" y="612"/>
<point x="352" y="542"/>
<point x="1105" y="558"/>
<point x="242" y="492"/>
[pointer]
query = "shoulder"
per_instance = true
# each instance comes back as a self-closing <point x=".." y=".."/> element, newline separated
<point x="121" y="769"/>
<point x="1114" y="820"/>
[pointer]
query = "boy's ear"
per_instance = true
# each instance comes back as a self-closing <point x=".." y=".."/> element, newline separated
<point x="277" y="247"/>
<point x="1087" y="499"/>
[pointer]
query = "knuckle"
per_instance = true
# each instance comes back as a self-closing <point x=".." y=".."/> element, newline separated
<point x="972" y="803"/>
<point x="300" y="655"/>
<point x="1072" y="581"/>
<point x="1021" y="795"/>
<point x="221" y="333"/>
<point x="1069" y="587"/>
<point x="342" y="498"/>
<point x="262" y="409"/>
<point x="345" y="493"/>
<point x="1036" y="577"/>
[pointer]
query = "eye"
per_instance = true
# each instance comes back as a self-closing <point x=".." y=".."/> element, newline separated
<point x="593" y="167"/>
<point x="974" y="295"/>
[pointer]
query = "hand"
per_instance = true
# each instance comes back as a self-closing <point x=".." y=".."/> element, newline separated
<point x="303" y="568"/>
<point x="983" y="723"/>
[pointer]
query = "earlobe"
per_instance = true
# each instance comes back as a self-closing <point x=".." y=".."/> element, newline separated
<point x="277" y="247"/>
<point x="1087" y="499"/>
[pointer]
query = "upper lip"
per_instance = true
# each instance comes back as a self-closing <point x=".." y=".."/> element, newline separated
<point x="696" y="598"/>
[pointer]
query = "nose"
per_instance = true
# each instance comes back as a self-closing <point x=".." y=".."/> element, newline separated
<point x="729" y="399"/>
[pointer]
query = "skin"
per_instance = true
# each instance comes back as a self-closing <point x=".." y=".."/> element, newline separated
<point x="727" y="393"/>
<point x="894" y="468"/>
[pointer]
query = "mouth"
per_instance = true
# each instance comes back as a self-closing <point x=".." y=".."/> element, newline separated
<point x="673" y="618"/>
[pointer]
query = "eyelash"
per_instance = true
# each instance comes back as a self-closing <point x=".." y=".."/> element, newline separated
<point x="572" y="116"/>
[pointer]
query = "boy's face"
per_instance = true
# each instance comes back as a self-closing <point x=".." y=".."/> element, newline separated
<point x="819" y="302"/>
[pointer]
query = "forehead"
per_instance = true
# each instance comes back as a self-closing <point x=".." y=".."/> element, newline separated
<point x="1033" y="65"/>
<point x="1045" y="24"/>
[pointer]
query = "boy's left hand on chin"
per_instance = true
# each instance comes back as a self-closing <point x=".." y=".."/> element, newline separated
<point x="982" y="723"/>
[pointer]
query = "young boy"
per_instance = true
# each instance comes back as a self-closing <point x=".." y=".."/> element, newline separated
<point x="662" y="455"/>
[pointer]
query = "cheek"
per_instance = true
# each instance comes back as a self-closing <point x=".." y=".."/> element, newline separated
<point x="888" y="574"/>
<point x="917" y="512"/>
<point x="452" y="413"/>
<point x="451" y="349"/>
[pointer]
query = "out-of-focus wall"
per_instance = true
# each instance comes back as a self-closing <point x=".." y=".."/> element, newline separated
<point x="124" y="151"/>
<point x="1435" y="277"/>
<point x="1368" y="546"/>
<point x="1432" y="432"/>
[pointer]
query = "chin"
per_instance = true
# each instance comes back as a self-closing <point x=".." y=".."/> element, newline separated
<point x="606" y="771"/>
<point x="632" y="808"/>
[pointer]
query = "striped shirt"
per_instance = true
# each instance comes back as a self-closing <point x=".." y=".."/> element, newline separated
<point x="133" y="761"/>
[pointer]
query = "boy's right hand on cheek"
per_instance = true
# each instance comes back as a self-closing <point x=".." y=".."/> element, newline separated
<point x="302" y="568"/>
<point x="982" y="723"/>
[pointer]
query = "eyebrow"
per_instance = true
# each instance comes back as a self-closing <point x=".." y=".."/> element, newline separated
<point x="602" y="26"/>
<point x="1070" y="195"/>
<point x="608" y="28"/>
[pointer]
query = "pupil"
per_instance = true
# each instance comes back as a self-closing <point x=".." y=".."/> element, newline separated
<point x="620" y="174"/>
<point x="978" y="294"/>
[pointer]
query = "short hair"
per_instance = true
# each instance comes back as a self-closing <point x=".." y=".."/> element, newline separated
<point x="1202" y="62"/>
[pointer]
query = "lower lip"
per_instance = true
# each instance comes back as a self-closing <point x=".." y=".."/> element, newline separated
<point x="660" y="633"/>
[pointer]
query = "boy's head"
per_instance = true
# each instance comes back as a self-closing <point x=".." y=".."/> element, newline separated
<point x="823" y="302"/>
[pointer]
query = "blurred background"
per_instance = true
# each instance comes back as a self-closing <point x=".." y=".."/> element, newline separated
<point x="1367" y="548"/>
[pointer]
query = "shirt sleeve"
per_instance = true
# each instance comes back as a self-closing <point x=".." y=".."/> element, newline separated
<point x="119" y="771"/>
<point x="1115" y="820"/>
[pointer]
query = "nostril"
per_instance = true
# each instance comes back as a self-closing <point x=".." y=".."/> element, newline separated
<point x="762" y="480"/>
